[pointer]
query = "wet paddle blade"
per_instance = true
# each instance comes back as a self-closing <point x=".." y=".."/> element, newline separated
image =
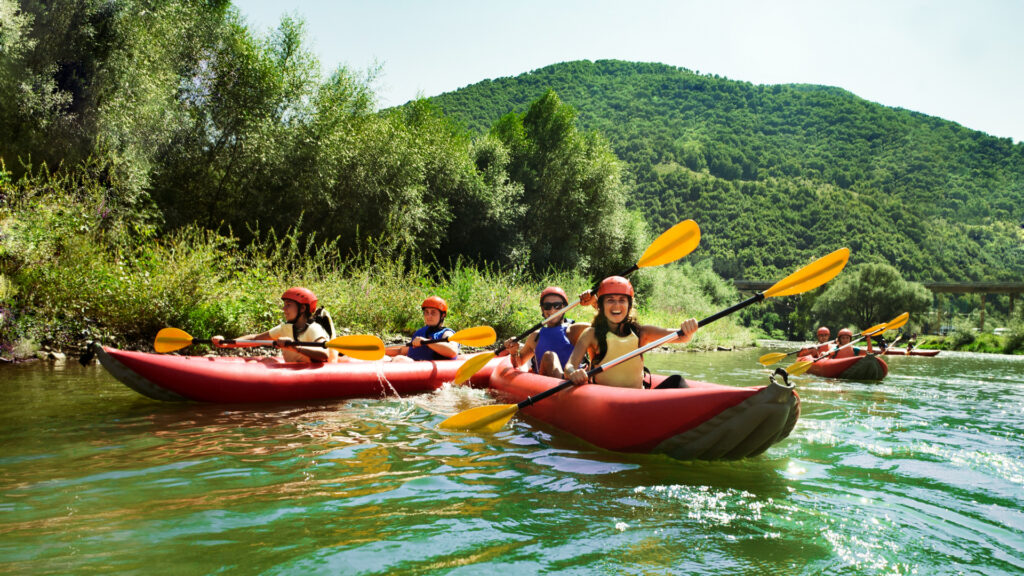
<point x="771" y="358"/>
<point x="472" y="366"/>
<point x="673" y="244"/>
<point x="477" y="336"/>
<point x="482" y="418"/>
<point x="360" y="346"/>
<point x="875" y="329"/>
<point x="898" y="321"/>
<point x="798" y="368"/>
<point x="811" y="276"/>
<point x="171" y="339"/>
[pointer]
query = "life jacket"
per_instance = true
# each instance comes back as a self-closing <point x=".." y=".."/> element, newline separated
<point x="312" y="333"/>
<point x="430" y="333"/>
<point x="629" y="374"/>
<point x="846" y="352"/>
<point x="555" y="339"/>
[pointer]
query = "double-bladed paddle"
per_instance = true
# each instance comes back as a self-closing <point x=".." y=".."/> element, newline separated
<point x="493" y="418"/>
<point x="799" y="367"/>
<point x="673" y="244"/>
<point x="476" y="336"/>
<point x="360" y="346"/>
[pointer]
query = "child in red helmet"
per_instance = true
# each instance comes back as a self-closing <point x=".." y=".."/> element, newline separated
<point x="551" y="346"/>
<point x="434" y="310"/>
<point x="844" y="338"/>
<point x="298" y="305"/>
<point x="823" y="345"/>
<point x="614" y="333"/>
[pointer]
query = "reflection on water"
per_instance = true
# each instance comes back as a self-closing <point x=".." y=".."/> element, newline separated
<point x="921" y="473"/>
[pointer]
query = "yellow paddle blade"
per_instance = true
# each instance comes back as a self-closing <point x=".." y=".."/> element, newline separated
<point x="875" y="329"/>
<point x="482" y="418"/>
<point x="477" y="336"/>
<point x="798" y="368"/>
<point x="673" y="244"/>
<point x="361" y="346"/>
<point x="811" y="276"/>
<point x="171" y="339"/>
<point x="472" y="366"/>
<point x="898" y="321"/>
<point x="771" y="358"/>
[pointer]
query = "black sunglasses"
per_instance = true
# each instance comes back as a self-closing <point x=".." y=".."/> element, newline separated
<point x="552" y="305"/>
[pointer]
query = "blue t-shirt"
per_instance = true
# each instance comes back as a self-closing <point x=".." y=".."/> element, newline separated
<point x="430" y="333"/>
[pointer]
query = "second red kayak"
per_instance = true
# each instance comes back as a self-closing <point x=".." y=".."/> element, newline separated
<point x="699" y="421"/>
<point x="914" y="352"/>
<point x="869" y="367"/>
<point x="245" y="380"/>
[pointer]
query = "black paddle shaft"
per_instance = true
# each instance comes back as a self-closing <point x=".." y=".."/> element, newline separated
<point x="595" y="371"/>
<point x="499" y="349"/>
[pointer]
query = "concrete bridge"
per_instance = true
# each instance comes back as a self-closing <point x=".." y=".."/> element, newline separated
<point x="983" y="288"/>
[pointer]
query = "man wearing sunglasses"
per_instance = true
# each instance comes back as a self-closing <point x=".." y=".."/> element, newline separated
<point x="553" y="343"/>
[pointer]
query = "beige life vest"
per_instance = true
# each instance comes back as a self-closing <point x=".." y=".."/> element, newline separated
<point x="629" y="374"/>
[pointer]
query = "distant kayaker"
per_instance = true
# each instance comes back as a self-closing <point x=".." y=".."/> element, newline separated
<point x="616" y="332"/>
<point x="551" y="346"/>
<point x="912" y="342"/>
<point x="824" y="343"/>
<point x="434" y="311"/>
<point x="298" y="306"/>
<point x="844" y="338"/>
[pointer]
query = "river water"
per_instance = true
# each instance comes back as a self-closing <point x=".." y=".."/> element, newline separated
<point x="922" y="473"/>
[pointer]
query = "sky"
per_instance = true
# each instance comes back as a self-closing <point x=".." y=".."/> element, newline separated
<point x="959" y="60"/>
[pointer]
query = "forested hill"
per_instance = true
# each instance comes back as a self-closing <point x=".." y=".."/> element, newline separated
<point x="776" y="175"/>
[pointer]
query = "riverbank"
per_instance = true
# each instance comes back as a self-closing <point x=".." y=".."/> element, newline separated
<point x="73" y="286"/>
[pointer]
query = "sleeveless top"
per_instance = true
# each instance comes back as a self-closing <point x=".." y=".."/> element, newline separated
<point x="313" y="333"/>
<point x="430" y="333"/>
<point x="846" y="352"/>
<point x="629" y="374"/>
<point x="555" y="339"/>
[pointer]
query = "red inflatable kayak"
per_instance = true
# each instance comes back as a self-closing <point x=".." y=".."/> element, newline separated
<point x="869" y="367"/>
<point x="914" y="352"/>
<point x="701" y="421"/>
<point x="245" y="380"/>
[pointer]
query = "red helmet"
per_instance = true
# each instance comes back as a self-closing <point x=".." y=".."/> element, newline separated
<point x="302" y="296"/>
<point x="553" y="290"/>
<point x="435" y="302"/>
<point x="845" y="332"/>
<point x="615" y="285"/>
<point x="824" y="330"/>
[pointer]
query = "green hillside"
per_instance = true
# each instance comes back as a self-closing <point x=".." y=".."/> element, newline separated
<point x="776" y="175"/>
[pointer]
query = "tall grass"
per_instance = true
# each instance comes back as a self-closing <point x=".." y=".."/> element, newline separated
<point x="65" y="279"/>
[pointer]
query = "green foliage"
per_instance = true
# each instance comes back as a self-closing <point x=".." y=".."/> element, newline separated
<point x="779" y="175"/>
<point x="869" y="294"/>
<point x="572" y="189"/>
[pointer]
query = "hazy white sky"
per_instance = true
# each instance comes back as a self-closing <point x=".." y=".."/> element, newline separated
<point x="960" y="60"/>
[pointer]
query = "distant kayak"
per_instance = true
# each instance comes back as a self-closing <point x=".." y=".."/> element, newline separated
<point x="869" y="367"/>
<point x="914" y="352"/>
<point x="701" y="421"/>
<point x="260" y="380"/>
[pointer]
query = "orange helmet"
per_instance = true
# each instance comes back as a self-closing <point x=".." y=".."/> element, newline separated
<point x="302" y="296"/>
<point x="845" y="332"/>
<point x="435" y="302"/>
<point x="615" y="285"/>
<point x="553" y="290"/>
<point x="824" y="330"/>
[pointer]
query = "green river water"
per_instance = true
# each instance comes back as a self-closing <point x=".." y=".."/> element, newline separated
<point x="922" y="473"/>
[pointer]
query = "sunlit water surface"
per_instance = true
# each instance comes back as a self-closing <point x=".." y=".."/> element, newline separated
<point x="922" y="473"/>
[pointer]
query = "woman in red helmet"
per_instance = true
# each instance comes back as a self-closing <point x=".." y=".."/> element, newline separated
<point x="614" y="333"/>
<point x="823" y="346"/>
<point x="434" y="310"/>
<point x="844" y="338"/>
<point x="551" y="346"/>
<point x="298" y="305"/>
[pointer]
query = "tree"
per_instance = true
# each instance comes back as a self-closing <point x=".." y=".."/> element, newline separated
<point x="575" y="199"/>
<point x="870" y="294"/>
